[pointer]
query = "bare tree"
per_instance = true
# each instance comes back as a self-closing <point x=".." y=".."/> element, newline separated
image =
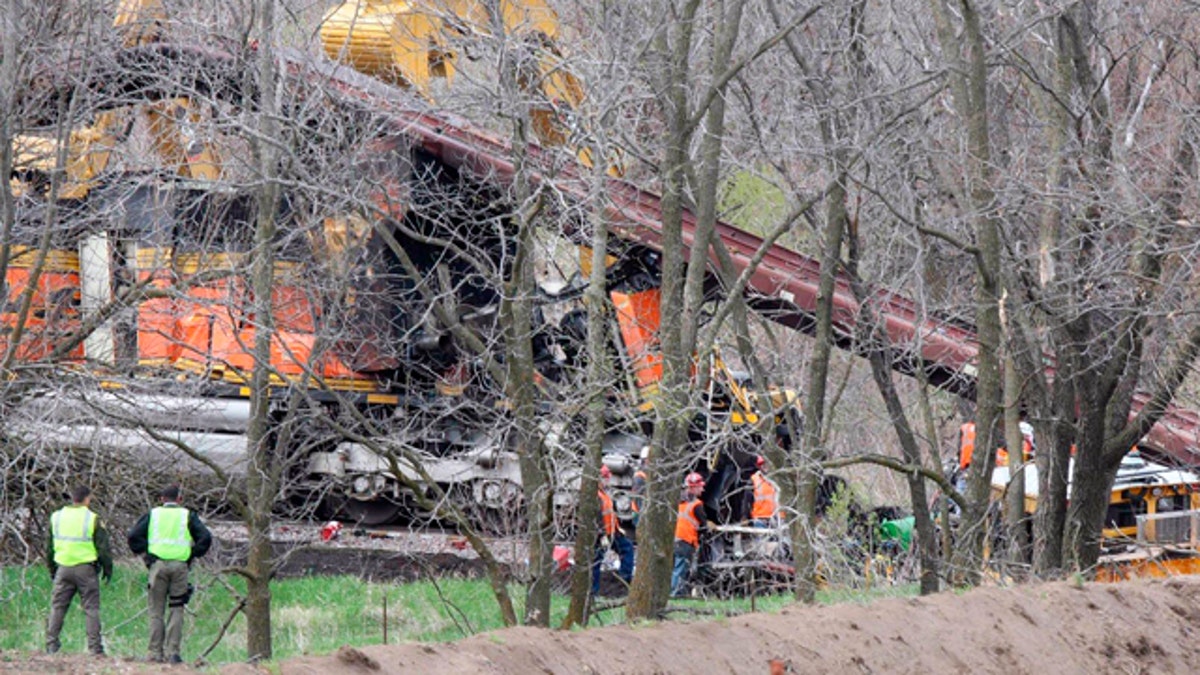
<point x="964" y="49"/>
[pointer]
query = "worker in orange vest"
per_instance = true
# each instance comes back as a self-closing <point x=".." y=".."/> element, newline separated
<point x="966" y="448"/>
<point x="966" y="445"/>
<point x="690" y="521"/>
<point x="765" y="511"/>
<point x="611" y="536"/>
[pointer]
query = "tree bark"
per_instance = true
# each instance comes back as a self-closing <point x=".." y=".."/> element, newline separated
<point x="598" y="384"/>
<point x="261" y="481"/>
<point x="516" y="316"/>
<point x="651" y="580"/>
<point x="967" y="57"/>
<point x="1016" y="522"/>
<point x="812" y="449"/>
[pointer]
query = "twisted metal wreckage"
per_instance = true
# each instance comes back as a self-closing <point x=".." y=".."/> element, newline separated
<point x="146" y="288"/>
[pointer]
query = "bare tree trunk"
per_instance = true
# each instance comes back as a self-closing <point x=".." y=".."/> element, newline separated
<point x="588" y="506"/>
<point x="261" y="482"/>
<point x="651" y="581"/>
<point x="516" y="319"/>
<point x="966" y="53"/>
<point x="10" y="36"/>
<point x="1053" y="465"/>
<point x="516" y="315"/>
<point x="1016" y="522"/>
<point x="1056" y="435"/>
<point x="812" y="445"/>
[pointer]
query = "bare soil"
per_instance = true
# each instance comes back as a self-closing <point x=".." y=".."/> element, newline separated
<point x="1133" y="627"/>
<point x="1145" y="626"/>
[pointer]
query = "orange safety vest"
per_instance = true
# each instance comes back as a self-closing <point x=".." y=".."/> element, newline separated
<point x="765" y="502"/>
<point x="1001" y="457"/>
<point x="608" y="513"/>
<point x="687" y="526"/>
<point x="966" y="445"/>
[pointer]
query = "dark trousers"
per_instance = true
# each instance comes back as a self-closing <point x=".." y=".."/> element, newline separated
<point x="68" y="581"/>
<point x="624" y="548"/>
<point x="685" y="553"/>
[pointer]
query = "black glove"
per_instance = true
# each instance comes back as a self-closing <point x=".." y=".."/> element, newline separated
<point x="106" y="573"/>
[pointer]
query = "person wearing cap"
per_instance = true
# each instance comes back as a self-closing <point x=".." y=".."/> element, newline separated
<point x="170" y="537"/>
<point x="611" y="536"/>
<point x="688" y="524"/>
<point x="78" y="556"/>
<point x="765" y="510"/>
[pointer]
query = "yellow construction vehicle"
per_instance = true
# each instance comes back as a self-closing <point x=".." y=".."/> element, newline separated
<point x="1152" y="528"/>
<point x="411" y="44"/>
<point x="172" y="126"/>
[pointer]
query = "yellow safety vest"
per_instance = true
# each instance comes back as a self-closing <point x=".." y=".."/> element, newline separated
<point x="72" y="528"/>
<point x="169" y="538"/>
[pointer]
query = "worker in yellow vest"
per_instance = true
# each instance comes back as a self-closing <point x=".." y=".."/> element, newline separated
<point x="170" y="537"/>
<point x="78" y="555"/>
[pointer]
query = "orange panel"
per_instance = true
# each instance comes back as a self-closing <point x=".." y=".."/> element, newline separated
<point x="1146" y="569"/>
<point x="292" y="309"/>
<point x="211" y="328"/>
<point x="53" y="309"/>
<point x="639" y="319"/>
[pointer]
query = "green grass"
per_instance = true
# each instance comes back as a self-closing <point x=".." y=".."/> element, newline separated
<point x="312" y="615"/>
<point x="753" y="200"/>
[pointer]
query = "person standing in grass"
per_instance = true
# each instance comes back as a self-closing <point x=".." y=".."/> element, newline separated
<point x="78" y="556"/>
<point x="170" y="537"/>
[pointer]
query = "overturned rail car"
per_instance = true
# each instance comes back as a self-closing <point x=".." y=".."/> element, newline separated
<point x="384" y="316"/>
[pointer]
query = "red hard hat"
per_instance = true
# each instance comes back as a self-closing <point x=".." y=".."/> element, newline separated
<point x="605" y="472"/>
<point x="693" y="480"/>
<point x="759" y="461"/>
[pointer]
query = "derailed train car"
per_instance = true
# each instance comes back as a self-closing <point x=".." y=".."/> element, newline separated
<point x="166" y="375"/>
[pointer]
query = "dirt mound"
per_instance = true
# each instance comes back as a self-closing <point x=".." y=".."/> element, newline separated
<point x="1149" y="626"/>
<point x="1143" y="626"/>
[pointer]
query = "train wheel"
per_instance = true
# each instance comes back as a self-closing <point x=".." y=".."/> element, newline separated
<point x="369" y="513"/>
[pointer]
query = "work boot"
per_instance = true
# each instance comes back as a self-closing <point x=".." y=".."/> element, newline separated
<point x="175" y="658"/>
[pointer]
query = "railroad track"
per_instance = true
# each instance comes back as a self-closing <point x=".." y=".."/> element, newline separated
<point x="411" y="540"/>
